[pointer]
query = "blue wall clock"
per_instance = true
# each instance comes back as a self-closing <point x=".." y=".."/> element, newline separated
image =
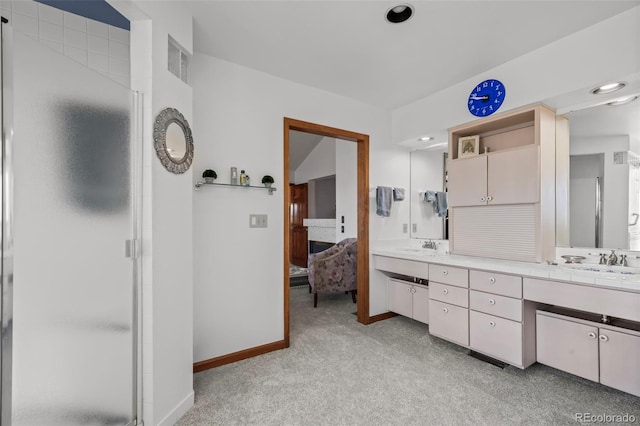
<point x="486" y="98"/>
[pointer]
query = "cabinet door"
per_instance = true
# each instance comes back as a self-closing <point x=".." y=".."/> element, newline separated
<point x="399" y="297"/>
<point x="421" y="304"/>
<point x="513" y="176"/>
<point x="468" y="182"/>
<point x="449" y="322"/>
<point x="567" y="346"/>
<point x="620" y="361"/>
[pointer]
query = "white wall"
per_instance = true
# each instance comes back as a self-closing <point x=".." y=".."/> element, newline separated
<point x="615" y="193"/>
<point x="320" y="162"/>
<point x="167" y="231"/>
<point x="239" y="117"/>
<point x="594" y="55"/>
<point x="346" y="189"/>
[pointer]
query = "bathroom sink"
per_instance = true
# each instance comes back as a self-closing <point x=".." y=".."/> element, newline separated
<point x="430" y="252"/>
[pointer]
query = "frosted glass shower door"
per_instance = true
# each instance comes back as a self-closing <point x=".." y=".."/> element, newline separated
<point x="74" y="294"/>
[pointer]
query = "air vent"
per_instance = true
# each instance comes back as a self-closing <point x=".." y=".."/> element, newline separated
<point x="178" y="60"/>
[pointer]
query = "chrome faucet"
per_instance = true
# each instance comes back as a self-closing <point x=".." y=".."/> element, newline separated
<point x="430" y="245"/>
<point x="613" y="259"/>
<point x="603" y="259"/>
<point x="623" y="260"/>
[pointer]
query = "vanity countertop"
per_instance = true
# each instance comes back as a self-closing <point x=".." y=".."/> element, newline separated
<point x="622" y="281"/>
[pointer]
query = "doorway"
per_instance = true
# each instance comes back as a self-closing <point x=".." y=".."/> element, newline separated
<point x="362" y="142"/>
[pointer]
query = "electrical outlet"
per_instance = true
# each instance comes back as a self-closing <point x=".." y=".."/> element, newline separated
<point x="405" y="228"/>
<point x="414" y="227"/>
<point x="258" y="221"/>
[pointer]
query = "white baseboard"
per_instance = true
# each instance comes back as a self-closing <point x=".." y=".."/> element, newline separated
<point x="179" y="411"/>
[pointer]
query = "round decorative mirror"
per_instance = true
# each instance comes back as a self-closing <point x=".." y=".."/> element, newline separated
<point x="173" y="141"/>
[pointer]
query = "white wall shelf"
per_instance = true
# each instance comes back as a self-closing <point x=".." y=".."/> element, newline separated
<point x="201" y="183"/>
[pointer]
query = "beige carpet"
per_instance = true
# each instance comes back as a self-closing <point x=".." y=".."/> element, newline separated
<point x="339" y="372"/>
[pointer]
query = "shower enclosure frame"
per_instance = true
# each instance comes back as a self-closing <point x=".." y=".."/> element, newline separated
<point x="131" y="250"/>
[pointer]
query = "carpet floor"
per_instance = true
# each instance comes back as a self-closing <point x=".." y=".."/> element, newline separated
<point x="339" y="372"/>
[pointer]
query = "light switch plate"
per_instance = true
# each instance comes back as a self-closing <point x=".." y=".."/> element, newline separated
<point x="405" y="228"/>
<point x="258" y="221"/>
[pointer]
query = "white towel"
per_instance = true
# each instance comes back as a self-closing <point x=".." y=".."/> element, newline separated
<point x="384" y="196"/>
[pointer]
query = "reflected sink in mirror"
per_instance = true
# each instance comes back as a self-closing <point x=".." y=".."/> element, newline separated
<point x="602" y="269"/>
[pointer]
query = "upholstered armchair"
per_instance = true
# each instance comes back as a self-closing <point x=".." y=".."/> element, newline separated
<point x="334" y="270"/>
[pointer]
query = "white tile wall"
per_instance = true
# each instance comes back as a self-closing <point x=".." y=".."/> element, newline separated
<point x="98" y="46"/>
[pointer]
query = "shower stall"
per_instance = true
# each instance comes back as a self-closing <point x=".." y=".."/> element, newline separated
<point x="70" y="223"/>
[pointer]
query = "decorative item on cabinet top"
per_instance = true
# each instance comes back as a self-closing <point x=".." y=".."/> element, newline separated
<point x="468" y="146"/>
<point x="267" y="181"/>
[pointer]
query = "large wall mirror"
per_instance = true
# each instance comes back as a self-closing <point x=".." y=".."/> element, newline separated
<point x="604" y="172"/>
<point x="428" y="167"/>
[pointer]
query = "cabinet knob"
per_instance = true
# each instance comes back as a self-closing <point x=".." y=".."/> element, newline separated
<point x="603" y="338"/>
<point x="492" y="280"/>
<point x="492" y="302"/>
<point x="445" y="272"/>
<point x="483" y="199"/>
<point x="592" y="335"/>
<point x="489" y="198"/>
<point x="492" y="323"/>
<point x="445" y="310"/>
<point x="409" y="289"/>
<point x="445" y="291"/>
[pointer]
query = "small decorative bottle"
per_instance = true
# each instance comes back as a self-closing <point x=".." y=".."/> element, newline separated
<point x="234" y="176"/>
<point x="243" y="178"/>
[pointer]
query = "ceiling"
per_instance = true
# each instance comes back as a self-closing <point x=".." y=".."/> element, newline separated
<point x="300" y="146"/>
<point x="348" y="48"/>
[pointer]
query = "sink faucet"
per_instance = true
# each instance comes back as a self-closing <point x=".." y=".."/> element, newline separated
<point x="613" y="259"/>
<point x="430" y="245"/>
<point x="623" y="260"/>
<point x="603" y="259"/>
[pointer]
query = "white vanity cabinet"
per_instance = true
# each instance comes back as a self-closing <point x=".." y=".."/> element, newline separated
<point x="408" y="299"/>
<point x="448" y="303"/>
<point x="496" y="318"/>
<point x="599" y="352"/>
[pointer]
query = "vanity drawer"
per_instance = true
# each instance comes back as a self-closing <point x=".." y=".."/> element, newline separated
<point x="490" y="282"/>
<point x="449" y="294"/>
<point x="449" y="275"/>
<point x="492" y="304"/>
<point x="497" y="337"/>
<point x="449" y="322"/>
<point x="409" y="268"/>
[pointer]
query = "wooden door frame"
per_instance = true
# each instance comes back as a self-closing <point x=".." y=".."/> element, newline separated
<point x="363" y="211"/>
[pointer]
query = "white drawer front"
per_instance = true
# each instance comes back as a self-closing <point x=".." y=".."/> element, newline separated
<point x="449" y="294"/>
<point x="449" y="275"/>
<point x="505" y="285"/>
<point x="410" y="268"/>
<point x="497" y="337"/>
<point x="449" y="322"/>
<point x="492" y="304"/>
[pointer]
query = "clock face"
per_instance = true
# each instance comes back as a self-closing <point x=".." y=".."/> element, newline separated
<point x="486" y="98"/>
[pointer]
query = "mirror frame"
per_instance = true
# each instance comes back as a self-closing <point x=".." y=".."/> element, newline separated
<point x="166" y="117"/>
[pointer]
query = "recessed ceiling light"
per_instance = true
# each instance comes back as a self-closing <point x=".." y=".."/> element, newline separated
<point x="399" y="13"/>
<point x="608" y="88"/>
<point x="425" y="138"/>
<point x="623" y="101"/>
